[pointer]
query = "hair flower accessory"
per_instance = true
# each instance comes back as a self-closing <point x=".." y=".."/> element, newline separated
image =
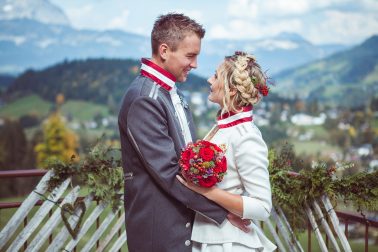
<point x="263" y="89"/>
<point x="203" y="163"/>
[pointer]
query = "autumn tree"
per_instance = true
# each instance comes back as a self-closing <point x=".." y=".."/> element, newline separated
<point x="59" y="142"/>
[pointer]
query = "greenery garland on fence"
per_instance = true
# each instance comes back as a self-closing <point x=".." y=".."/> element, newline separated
<point x="291" y="191"/>
<point x="101" y="172"/>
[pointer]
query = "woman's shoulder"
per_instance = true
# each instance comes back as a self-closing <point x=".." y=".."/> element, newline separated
<point x="247" y="134"/>
<point x="246" y="130"/>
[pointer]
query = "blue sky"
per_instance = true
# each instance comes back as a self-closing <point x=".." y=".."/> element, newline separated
<point x="320" y="21"/>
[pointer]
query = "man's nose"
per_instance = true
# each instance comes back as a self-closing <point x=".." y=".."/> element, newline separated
<point x="194" y="64"/>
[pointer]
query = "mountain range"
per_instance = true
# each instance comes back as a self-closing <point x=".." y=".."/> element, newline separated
<point x="39" y="10"/>
<point x="348" y="78"/>
<point x="100" y="81"/>
<point x="38" y="34"/>
<point x="49" y="56"/>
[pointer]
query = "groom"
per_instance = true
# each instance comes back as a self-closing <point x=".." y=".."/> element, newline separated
<point x="155" y="125"/>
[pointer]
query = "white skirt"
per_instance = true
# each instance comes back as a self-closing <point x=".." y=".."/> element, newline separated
<point x="224" y="247"/>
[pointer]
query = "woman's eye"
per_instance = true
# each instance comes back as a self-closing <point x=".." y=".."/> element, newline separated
<point x="216" y="76"/>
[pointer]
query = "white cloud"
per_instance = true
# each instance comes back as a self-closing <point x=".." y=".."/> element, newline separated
<point x="320" y="21"/>
<point x="18" y="40"/>
<point x="120" y="21"/>
<point x="370" y="4"/>
<point x="265" y="9"/>
<point x="218" y="31"/>
<point x="7" y="8"/>
<point x="82" y="17"/>
<point x="244" y="29"/>
<point x="194" y="14"/>
<point x="109" y="41"/>
<point x="92" y="16"/>
<point x="243" y="9"/>
<point x="344" y="27"/>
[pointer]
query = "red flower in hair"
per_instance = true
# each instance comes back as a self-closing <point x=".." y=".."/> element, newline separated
<point x="263" y="89"/>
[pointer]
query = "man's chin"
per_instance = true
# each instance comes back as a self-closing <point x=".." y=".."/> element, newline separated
<point x="182" y="79"/>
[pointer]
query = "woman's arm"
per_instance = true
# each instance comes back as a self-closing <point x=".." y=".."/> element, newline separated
<point x="251" y="156"/>
<point x="231" y="202"/>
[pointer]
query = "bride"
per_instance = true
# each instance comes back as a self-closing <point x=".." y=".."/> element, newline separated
<point x="236" y="86"/>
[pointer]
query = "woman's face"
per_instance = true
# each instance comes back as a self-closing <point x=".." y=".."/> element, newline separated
<point x="216" y="88"/>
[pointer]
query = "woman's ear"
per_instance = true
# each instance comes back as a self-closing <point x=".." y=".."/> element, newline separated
<point x="163" y="51"/>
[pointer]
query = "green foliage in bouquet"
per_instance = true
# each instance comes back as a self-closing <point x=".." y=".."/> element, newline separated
<point x="100" y="171"/>
<point x="291" y="191"/>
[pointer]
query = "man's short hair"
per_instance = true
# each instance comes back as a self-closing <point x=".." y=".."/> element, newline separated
<point x="171" y="29"/>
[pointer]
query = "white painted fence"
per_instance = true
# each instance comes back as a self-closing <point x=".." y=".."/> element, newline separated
<point x="41" y="225"/>
<point x="110" y="234"/>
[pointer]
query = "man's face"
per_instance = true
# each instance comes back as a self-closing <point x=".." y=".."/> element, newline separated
<point x="181" y="61"/>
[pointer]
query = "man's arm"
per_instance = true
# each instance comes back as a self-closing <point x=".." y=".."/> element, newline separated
<point x="148" y="132"/>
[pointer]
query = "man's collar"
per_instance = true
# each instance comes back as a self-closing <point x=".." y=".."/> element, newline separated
<point x="159" y="75"/>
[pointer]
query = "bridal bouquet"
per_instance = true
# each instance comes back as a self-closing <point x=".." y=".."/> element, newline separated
<point x="203" y="163"/>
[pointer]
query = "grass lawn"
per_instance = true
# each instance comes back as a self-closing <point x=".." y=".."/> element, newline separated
<point x="83" y="111"/>
<point x="314" y="147"/>
<point x="375" y="123"/>
<point x="28" y="105"/>
<point x="34" y="105"/>
<point x="318" y="130"/>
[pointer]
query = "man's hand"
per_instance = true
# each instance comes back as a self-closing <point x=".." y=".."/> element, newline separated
<point x="239" y="222"/>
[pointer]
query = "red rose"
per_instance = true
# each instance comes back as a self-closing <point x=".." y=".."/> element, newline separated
<point x="217" y="169"/>
<point x="186" y="155"/>
<point x="206" y="154"/>
<point x="208" y="182"/>
<point x="223" y="164"/>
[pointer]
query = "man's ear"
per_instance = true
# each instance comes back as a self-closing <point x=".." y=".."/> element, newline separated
<point x="163" y="51"/>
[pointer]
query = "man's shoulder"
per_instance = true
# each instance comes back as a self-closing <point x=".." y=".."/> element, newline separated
<point x="139" y="86"/>
<point x="143" y="87"/>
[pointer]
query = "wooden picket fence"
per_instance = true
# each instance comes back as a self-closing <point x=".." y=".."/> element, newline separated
<point x="63" y="241"/>
<point x="37" y="231"/>
<point x="288" y="240"/>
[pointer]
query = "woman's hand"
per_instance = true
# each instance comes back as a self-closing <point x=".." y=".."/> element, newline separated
<point x="192" y="186"/>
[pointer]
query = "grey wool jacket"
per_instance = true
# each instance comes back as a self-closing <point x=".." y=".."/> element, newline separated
<point x="159" y="209"/>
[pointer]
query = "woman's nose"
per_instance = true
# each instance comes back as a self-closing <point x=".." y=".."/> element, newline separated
<point x="209" y="80"/>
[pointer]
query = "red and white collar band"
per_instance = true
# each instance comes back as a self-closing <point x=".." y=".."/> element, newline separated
<point x="159" y="75"/>
<point x="231" y="119"/>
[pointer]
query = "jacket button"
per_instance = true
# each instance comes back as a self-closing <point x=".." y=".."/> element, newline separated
<point x="187" y="225"/>
<point x="187" y="243"/>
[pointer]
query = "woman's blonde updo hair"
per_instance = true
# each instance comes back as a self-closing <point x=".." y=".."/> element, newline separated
<point x="242" y="73"/>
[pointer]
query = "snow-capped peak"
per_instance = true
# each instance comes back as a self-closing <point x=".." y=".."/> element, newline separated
<point x="40" y="10"/>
